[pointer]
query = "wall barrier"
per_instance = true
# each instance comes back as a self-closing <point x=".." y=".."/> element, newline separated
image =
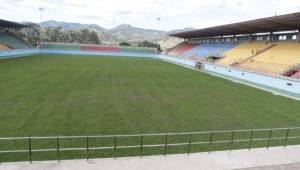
<point x="96" y="53"/>
<point x="28" y="52"/>
<point x="285" y="84"/>
<point x="187" y="142"/>
<point x="180" y="61"/>
<point x="18" y="53"/>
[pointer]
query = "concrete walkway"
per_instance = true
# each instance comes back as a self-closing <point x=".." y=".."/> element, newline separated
<point x="256" y="159"/>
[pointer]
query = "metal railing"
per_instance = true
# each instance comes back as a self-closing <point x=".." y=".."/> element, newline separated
<point x="208" y="138"/>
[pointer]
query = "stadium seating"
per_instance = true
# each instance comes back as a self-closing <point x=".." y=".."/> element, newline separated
<point x="11" y="41"/>
<point x="181" y="48"/>
<point x="4" y="47"/>
<point x="296" y="75"/>
<point x="241" y="52"/>
<point x="279" y="60"/>
<point x="205" y="50"/>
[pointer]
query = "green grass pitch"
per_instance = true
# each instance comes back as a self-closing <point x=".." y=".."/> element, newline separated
<point x="78" y="95"/>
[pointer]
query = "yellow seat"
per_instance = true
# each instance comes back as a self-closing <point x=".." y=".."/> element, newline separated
<point x="278" y="60"/>
<point x="241" y="52"/>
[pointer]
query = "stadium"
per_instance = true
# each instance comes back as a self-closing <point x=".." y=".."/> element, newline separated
<point x="228" y="87"/>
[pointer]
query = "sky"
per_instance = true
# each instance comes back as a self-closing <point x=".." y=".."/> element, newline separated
<point x="173" y="14"/>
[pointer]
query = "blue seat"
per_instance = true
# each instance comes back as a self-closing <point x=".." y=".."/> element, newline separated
<point x="205" y="50"/>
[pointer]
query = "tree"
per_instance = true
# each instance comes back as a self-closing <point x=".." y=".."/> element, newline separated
<point x="33" y="33"/>
<point x="126" y="44"/>
<point x="94" y="38"/>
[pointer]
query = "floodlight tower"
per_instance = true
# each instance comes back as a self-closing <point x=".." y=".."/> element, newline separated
<point x="158" y="21"/>
<point x="41" y="10"/>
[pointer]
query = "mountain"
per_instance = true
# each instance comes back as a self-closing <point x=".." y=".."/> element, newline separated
<point x="123" y="32"/>
<point x="103" y="33"/>
<point x="71" y="26"/>
<point x="126" y="31"/>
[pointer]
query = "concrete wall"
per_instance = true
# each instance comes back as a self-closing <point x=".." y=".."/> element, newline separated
<point x="18" y="53"/>
<point x="27" y="52"/>
<point x="180" y="61"/>
<point x="288" y="85"/>
<point x="96" y="53"/>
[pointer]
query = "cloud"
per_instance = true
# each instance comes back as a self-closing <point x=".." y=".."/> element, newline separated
<point x="143" y="13"/>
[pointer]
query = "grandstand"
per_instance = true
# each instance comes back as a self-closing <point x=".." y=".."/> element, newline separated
<point x="270" y="46"/>
<point x="11" y="41"/>
<point x="8" y="40"/>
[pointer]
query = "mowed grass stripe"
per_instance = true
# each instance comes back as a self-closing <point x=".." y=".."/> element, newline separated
<point x="74" y="95"/>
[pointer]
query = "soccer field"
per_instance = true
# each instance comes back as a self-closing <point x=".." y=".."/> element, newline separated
<point x="74" y="95"/>
<point x="78" y="95"/>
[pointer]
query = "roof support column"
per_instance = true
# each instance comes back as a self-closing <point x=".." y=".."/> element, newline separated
<point x="250" y="38"/>
<point x="221" y="39"/>
<point x="234" y="38"/>
<point x="298" y="36"/>
<point x="271" y="37"/>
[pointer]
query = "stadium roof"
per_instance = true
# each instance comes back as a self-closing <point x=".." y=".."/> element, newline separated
<point x="9" y="24"/>
<point x="271" y="24"/>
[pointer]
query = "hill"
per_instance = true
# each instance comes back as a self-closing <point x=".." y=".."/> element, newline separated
<point x="120" y="33"/>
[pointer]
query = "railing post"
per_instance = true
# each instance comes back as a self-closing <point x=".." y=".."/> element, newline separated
<point x="211" y="140"/>
<point x="166" y="143"/>
<point x="141" y="147"/>
<point x="58" y="149"/>
<point x="115" y="147"/>
<point x="87" y="148"/>
<point x="251" y="139"/>
<point x="190" y="142"/>
<point x="30" y="150"/>
<point x="232" y="139"/>
<point x="286" y="137"/>
<point x="270" y="138"/>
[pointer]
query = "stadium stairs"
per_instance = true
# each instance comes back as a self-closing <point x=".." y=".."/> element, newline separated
<point x="237" y="64"/>
<point x="240" y="52"/>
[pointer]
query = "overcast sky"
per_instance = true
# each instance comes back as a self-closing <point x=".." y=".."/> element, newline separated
<point x="174" y="14"/>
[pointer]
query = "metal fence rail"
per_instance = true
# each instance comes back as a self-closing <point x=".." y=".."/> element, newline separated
<point x="211" y="139"/>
